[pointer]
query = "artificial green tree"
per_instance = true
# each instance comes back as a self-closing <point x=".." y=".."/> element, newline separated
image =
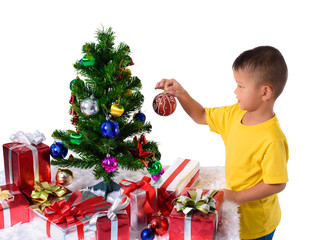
<point x="104" y="81"/>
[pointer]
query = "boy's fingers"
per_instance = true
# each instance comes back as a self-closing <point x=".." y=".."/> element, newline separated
<point x="159" y="85"/>
<point x="169" y="88"/>
<point x="167" y="85"/>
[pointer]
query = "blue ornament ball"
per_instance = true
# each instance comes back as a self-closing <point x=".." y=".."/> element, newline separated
<point x="109" y="129"/>
<point x="58" y="150"/>
<point x="140" y="117"/>
<point x="147" y="234"/>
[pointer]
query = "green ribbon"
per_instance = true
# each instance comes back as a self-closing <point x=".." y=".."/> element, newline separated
<point x="196" y="202"/>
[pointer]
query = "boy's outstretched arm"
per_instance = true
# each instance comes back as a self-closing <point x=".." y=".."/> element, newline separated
<point x="190" y="106"/>
<point x="257" y="192"/>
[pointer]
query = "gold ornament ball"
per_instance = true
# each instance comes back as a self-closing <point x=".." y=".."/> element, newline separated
<point x="127" y="71"/>
<point x="117" y="110"/>
<point x="64" y="176"/>
<point x="129" y="92"/>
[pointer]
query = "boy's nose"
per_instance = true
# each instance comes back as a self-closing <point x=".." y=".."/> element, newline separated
<point x="235" y="91"/>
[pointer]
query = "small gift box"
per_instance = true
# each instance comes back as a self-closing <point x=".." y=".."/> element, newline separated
<point x="25" y="164"/>
<point x="12" y="206"/>
<point x="65" y="219"/>
<point x="143" y="201"/>
<point x="114" y="223"/>
<point x="195" y="215"/>
<point x="182" y="173"/>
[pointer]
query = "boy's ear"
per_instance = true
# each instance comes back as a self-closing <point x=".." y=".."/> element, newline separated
<point x="266" y="92"/>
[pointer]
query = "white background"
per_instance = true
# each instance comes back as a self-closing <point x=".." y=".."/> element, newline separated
<point x="196" y="43"/>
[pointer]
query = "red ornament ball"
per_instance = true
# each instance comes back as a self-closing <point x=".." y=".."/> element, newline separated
<point x="164" y="104"/>
<point x="159" y="225"/>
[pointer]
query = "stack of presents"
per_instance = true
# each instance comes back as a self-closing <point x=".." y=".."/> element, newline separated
<point x="29" y="195"/>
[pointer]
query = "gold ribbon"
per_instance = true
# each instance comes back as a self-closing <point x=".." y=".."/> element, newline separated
<point x="41" y="195"/>
<point x="5" y="195"/>
<point x="196" y="202"/>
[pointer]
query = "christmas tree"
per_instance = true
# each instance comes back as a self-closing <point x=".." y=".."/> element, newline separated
<point x="106" y="112"/>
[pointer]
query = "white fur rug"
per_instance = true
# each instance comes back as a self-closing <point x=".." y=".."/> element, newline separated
<point x="209" y="178"/>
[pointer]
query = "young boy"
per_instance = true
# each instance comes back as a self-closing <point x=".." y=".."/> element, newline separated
<point x="256" y="148"/>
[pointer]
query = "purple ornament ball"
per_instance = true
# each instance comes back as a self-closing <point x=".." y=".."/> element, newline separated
<point x="109" y="164"/>
<point x="157" y="176"/>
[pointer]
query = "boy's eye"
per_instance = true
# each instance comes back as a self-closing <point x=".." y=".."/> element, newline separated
<point x="239" y="86"/>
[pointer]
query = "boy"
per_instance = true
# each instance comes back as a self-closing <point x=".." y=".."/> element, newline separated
<point x="256" y="148"/>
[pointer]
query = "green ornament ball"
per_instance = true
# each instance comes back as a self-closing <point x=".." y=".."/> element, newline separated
<point x="76" y="84"/>
<point x="88" y="60"/>
<point x="154" y="167"/>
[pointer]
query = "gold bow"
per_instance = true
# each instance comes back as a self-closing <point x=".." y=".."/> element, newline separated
<point x="5" y="195"/>
<point x="41" y="195"/>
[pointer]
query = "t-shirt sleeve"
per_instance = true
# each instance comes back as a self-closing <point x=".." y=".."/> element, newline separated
<point x="214" y="118"/>
<point x="274" y="163"/>
<point x="218" y="117"/>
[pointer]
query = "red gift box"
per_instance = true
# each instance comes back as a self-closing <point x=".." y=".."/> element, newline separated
<point x="114" y="223"/>
<point x="25" y="164"/>
<point x="13" y="210"/>
<point x="200" y="226"/>
<point x="105" y="230"/>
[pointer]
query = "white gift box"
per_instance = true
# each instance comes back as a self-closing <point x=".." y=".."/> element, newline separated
<point x="63" y="231"/>
<point x="182" y="173"/>
<point x="188" y="171"/>
<point x="143" y="196"/>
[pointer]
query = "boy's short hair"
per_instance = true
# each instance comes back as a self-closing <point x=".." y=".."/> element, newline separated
<point x="266" y="64"/>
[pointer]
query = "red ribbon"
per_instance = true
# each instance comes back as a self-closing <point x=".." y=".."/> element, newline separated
<point x="62" y="210"/>
<point x="143" y="185"/>
<point x="165" y="198"/>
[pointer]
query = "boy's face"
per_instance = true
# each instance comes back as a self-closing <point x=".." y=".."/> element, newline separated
<point x="248" y="92"/>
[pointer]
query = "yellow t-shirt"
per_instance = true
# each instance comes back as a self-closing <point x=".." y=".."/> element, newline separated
<point x="253" y="154"/>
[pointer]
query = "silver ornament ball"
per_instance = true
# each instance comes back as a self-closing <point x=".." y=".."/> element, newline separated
<point x="89" y="106"/>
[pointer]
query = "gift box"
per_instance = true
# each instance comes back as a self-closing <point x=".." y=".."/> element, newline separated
<point x="182" y="173"/>
<point x="69" y="218"/>
<point x="143" y="201"/>
<point x="105" y="230"/>
<point x="25" y="164"/>
<point x="113" y="224"/>
<point x="195" y="215"/>
<point x="12" y="206"/>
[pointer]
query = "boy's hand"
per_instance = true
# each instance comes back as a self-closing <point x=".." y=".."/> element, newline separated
<point x="190" y="106"/>
<point x="171" y="86"/>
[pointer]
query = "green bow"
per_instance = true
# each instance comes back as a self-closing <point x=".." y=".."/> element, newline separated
<point x="42" y="191"/>
<point x="195" y="202"/>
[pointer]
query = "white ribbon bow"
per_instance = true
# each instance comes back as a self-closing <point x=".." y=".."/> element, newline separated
<point x="28" y="138"/>
<point x="117" y="206"/>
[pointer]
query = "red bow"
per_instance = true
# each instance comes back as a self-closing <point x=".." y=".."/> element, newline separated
<point x="143" y="185"/>
<point x="165" y="202"/>
<point x="62" y="210"/>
